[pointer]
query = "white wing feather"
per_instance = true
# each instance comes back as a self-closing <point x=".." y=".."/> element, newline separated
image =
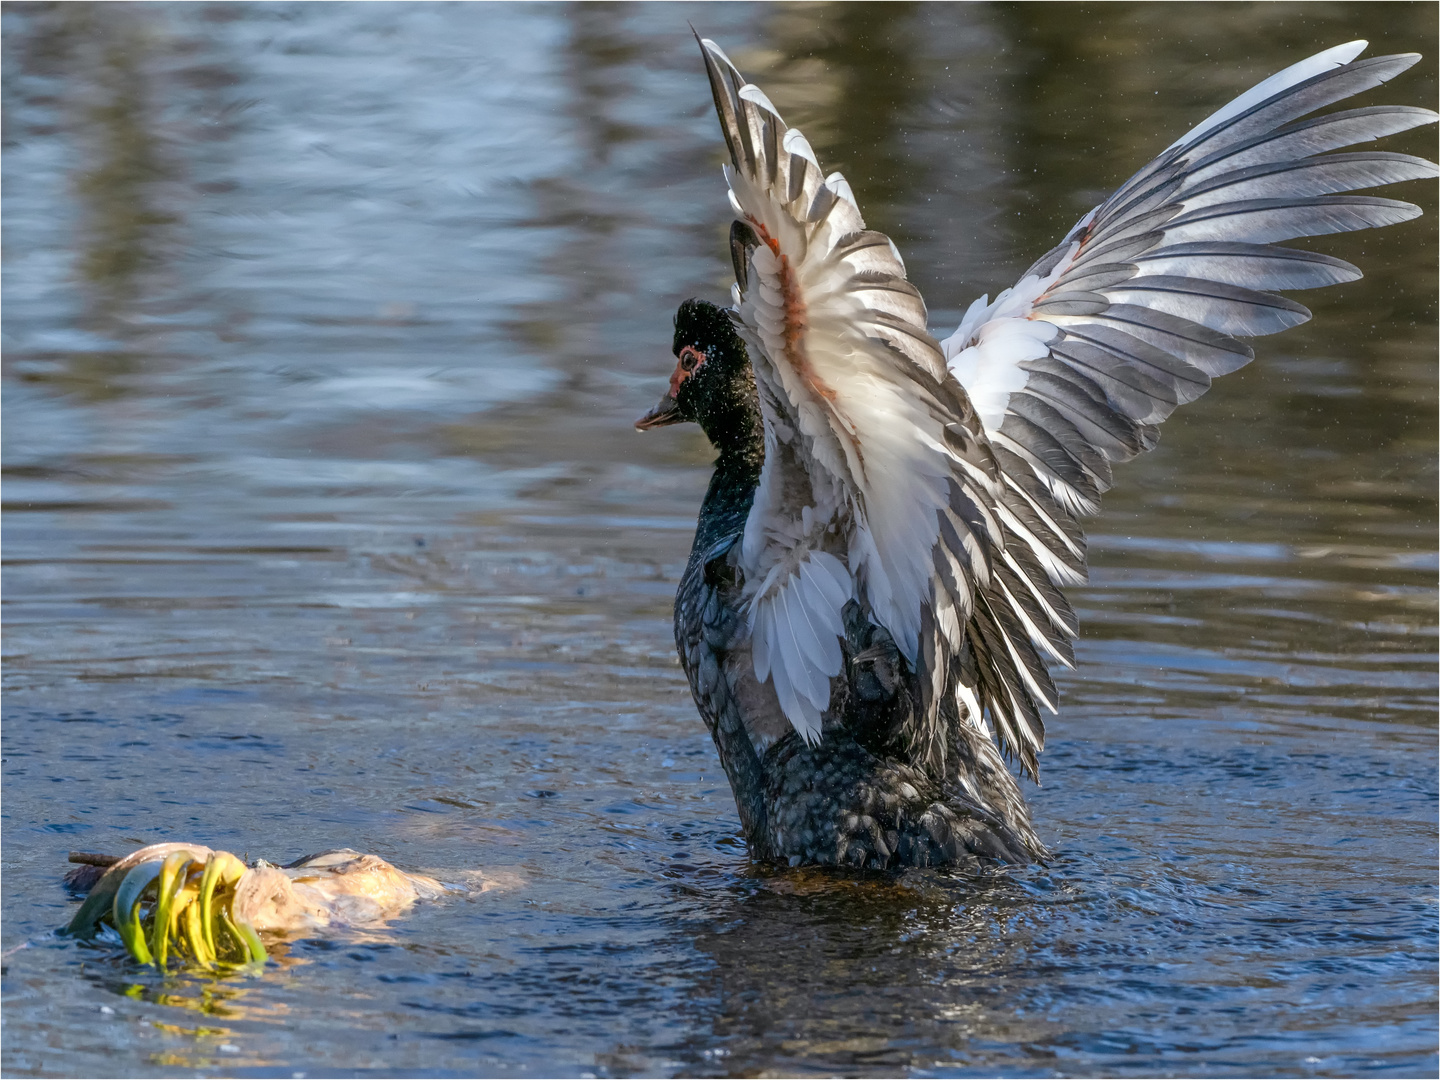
<point x="837" y="339"/>
<point x="950" y="514"/>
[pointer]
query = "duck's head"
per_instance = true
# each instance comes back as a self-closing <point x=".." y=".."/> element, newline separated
<point x="712" y="384"/>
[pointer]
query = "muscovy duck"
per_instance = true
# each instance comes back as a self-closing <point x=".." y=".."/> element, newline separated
<point x="873" y="597"/>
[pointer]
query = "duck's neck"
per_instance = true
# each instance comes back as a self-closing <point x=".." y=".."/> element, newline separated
<point x="738" y="432"/>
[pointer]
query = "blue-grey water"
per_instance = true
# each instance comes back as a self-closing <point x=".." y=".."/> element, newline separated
<point x="325" y="526"/>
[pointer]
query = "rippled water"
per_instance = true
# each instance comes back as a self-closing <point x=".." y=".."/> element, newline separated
<point x="324" y="326"/>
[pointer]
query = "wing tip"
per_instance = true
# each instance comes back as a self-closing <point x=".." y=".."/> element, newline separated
<point x="713" y="52"/>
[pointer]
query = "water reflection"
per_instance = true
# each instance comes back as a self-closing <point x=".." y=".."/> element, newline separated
<point x="100" y="64"/>
<point x="890" y="958"/>
<point x="122" y="191"/>
<point x="207" y="1038"/>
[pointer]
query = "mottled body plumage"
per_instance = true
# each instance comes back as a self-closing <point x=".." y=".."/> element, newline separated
<point x="857" y="796"/>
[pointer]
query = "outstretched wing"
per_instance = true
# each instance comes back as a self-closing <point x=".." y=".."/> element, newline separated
<point x="873" y="485"/>
<point x="1141" y="304"/>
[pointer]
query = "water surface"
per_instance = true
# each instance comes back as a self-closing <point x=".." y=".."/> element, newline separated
<point x="325" y="525"/>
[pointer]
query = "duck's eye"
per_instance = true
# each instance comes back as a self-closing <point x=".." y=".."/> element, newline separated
<point x="691" y="358"/>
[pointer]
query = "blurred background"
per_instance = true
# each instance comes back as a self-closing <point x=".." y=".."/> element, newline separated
<point x="325" y="525"/>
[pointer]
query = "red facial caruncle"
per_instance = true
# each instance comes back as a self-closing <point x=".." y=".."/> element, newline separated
<point x="690" y="360"/>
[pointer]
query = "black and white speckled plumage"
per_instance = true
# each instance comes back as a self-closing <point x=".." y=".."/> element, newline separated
<point x="875" y="594"/>
<point x="859" y="797"/>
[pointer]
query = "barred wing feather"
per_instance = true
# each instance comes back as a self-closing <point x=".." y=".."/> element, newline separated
<point x="1144" y="301"/>
<point x="873" y="487"/>
<point x="940" y="484"/>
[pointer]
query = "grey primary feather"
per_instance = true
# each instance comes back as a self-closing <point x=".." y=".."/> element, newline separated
<point x="1156" y="285"/>
<point x="1276" y="111"/>
<point x="1119" y="334"/>
<point x="1264" y="221"/>
<point x="1304" y="98"/>
<point x="1058" y="439"/>
<point x="1126" y="386"/>
<point x="1292" y="180"/>
<point x="1314" y="136"/>
<point x="1116" y="436"/>
<point x="1229" y="309"/>
<point x="1197" y="347"/>
<point x="1254" y="266"/>
<point x="1099" y="275"/>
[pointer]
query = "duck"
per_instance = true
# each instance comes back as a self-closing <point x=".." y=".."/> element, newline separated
<point x="875" y="596"/>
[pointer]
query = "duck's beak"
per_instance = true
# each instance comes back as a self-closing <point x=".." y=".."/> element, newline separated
<point x="662" y="415"/>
